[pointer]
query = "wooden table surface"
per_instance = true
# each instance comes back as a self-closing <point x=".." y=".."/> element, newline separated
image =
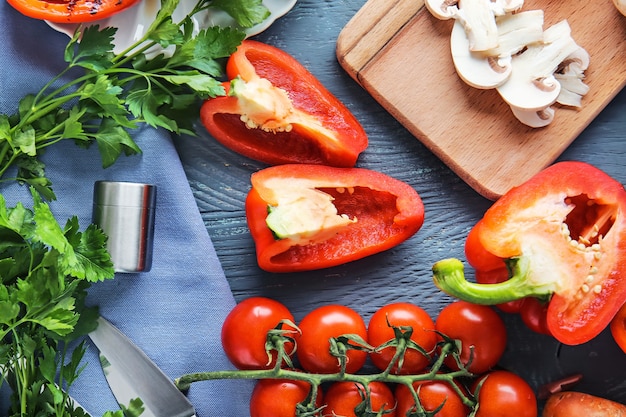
<point x="220" y="181"/>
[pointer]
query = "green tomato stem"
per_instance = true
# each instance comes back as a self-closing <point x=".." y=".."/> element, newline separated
<point x="315" y="380"/>
<point x="448" y="276"/>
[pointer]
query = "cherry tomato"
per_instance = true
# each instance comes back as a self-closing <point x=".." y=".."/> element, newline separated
<point x="490" y="269"/>
<point x="279" y="397"/>
<point x="505" y="394"/>
<point x="402" y="314"/>
<point x="343" y="397"/>
<point x="318" y="327"/>
<point x="431" y="395"/>
<point x="478" y="327"/>
<point x="245" y="328"/>
<point x="479" y="257"/>
<point x="534" y="314"/>
<point x="618" y="328"/>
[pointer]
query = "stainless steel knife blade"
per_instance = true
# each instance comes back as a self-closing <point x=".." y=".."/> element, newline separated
<point x="131" y="374"/>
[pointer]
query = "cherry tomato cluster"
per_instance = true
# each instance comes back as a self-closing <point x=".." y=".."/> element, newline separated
<point x="332" y="344"/>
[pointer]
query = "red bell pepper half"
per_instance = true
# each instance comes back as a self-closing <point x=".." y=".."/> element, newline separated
<point x="305" y="217"/>
<point x="618" y="328"/>
<point x="277" y="112"/>
<point x="562" y="236"/>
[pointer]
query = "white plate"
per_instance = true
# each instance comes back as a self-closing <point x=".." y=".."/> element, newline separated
<point x="132" y="23"/>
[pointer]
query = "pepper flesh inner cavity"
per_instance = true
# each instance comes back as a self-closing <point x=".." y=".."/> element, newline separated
<point x="562" y="239"/>
<point x="589" y="221"/>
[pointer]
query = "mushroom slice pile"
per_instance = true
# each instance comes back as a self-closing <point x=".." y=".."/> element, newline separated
<point x="491" y="68"/>
<point x="532" y="85"/>
<point x="570" y="75"/>
<point x="477" y="17"/>
<point x="494" y="45"/>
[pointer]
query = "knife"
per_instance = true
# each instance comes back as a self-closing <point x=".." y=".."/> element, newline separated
<point x="131" y="374"/>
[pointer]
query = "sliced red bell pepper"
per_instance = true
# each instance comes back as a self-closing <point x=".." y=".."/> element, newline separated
<point x="70" y="11"/>
<point x="563" y="236"/>
<point x="305" y="217"/>
<point x="277" y="112"/>
<point x="618" y="328"/>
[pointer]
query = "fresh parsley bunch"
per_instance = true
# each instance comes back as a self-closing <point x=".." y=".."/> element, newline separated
<point x="45" y="272"/>
<point x="46" y="269"/>
<point x="114" y="93"/>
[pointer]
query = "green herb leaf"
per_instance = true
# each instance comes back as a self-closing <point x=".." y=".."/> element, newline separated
<point x="94" y="51"/>
<point x="112" y="141"/>
<point x="247" y="13"/>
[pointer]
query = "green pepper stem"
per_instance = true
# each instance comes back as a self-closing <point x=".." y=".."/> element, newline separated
<point x="448" y="276"/>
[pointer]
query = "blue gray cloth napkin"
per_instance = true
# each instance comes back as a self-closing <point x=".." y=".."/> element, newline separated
<point x="174" y="312"/>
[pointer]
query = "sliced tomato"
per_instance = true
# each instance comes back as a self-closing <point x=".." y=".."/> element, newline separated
<point x="70" y="11"/>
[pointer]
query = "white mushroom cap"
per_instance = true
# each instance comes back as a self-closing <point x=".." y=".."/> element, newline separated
<point x="534" y="118"/>
<point x="518" y="30"/>
<point x="575" y="63"/>
<point x="492" y="68"/>
<point x="570" y="75"/>
<point x="442" y="9"/>
<point x="502" y="7"/>
<point x="476" y="69"/>
<point x="532" y="85"/>
<point x="479" y="21"/>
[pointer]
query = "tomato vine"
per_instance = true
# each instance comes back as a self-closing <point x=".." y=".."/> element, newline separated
<point x="437" y="371"/>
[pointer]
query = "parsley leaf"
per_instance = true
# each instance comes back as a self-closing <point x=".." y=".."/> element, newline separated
<point x="247" y="13"/>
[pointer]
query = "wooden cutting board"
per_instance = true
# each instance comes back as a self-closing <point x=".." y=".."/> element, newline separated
<point x="400" y="54"/>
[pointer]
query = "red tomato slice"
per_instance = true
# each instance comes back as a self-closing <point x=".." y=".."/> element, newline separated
<point x="70" y="11"/>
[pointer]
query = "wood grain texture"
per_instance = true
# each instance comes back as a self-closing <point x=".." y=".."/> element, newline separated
<point x="219" y="180"/>
<point x="400" y="53"/>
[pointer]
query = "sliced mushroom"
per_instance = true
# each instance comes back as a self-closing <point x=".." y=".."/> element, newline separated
<point x="502" y="7"/>
<point x="516" y="31"/>
<point x="534" y="118"/>
<point x="479" y="21"/>
<point x="476" y="69"/>
<point x="443" y="9"/>
<point x="532" y="85"/>
<point x="493" y="67"/>
<point x="571" y="75"/>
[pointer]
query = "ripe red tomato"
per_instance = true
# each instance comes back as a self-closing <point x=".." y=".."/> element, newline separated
<point x="476" y="326"/>
<point x="505" y="394"/>
<point x="245" y="328"/>
<point x="343" y="397"/>
<point x="534" y="314"/>
<point x="279" y="397"/>
<point x="431" y="395"/>
<point x="402" y="314"/>
<point x="322" y="324"/>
